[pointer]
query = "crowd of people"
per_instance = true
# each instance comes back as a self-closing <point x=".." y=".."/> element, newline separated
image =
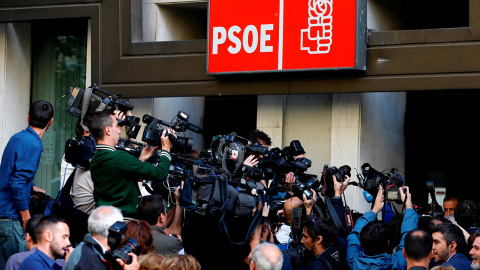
<point x="156" y="235"/>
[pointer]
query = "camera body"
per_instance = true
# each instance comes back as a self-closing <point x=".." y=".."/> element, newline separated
<point x="96" y="102"/>
<point x="327" y="178"/>
<point x="116" y="233"/>
<point x="79" y="151"/>
<point x="391" y="181"/>
<point x="304" y="186"/>
<point x="153" y="132"/>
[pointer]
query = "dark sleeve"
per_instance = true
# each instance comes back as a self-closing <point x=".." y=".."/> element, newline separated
<point x="340" y="209"/>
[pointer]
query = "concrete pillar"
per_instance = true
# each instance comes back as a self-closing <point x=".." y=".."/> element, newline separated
<point x="345" y="140"/>
<point x="270" y="117"/>
<point x="15" y="70"/>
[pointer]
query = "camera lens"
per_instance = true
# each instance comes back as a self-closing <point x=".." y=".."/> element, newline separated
<point x="147" y="119"/>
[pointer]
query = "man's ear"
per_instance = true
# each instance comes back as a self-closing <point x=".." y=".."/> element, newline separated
<point x="47" y="235"/>
<point x="453" y="246"/>
<point x="430" y="256"/>
<point x="319" y="240"/>
<point x="50" y="122"/>
<point x="28" y="238"/>
<point x="161" y="218"/>
<point x="405" y="254"/>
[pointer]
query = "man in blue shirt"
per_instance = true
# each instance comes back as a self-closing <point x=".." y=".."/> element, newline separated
<point x="52" y="236"/>
<point x="20" y="161"/>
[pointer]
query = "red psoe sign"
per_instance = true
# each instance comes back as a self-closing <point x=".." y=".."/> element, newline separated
<point x="285" y="35"/>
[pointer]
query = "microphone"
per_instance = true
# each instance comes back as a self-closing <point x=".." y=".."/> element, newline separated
<point x="194" y="128"/>
<point x="368" y="197"/>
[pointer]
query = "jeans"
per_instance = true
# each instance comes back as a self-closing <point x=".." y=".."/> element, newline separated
<point x="12" y="239"/>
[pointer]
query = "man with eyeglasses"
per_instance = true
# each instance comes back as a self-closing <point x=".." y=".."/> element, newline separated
<point x="115" y="174"/>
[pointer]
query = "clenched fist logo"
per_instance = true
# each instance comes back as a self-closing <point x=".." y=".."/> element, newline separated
<point x="317" y="38"/>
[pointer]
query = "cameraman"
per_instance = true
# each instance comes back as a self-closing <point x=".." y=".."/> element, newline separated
<point x="322" y="245"/>
<point x="115" y="174"/>
<point x="368" y="242"/>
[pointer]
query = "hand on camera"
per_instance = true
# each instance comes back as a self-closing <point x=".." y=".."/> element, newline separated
<point x="309" y="202"/>
<point x="379" y="201"/>
<point x="166" y="143"/>
<point x="147" y="152"/>
<point x="133" y="266"/>
<point x="290" y="178"/>
<point x="406" y="191"/>
<point x="339" y="186"/>
<point x="250" y="161"/>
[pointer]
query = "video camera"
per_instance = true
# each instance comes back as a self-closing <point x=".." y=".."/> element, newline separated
<point x="116" y="233"/>
<point x="79" y="98"/>
<point x="79" y="151"/>
<point x="153" y="132"/>
<point x="391" y="181"/>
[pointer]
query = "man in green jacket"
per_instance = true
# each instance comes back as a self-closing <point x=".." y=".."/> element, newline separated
<point x="115" y="174"/>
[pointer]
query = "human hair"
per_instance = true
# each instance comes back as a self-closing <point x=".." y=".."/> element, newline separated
<point x="150" y="207"/>
<point x="32" y="223"/>
<point x="97" y="123"/>
<point x="46" y="222"/>
<point x="418" y="244"/>
<point x="150" y="261"/>
<point x="258" y="134"/>
<point x="451" y="233"/>
<point x="102" y="218"/>
<point x="374" y="238"/>
<point x="142" y="232"/>
<point x="179" y="262"/>
<point x="466" y="214"/>
<point x="40" y="113"/>
<point x="267" y="257"/>
<point x="322" y="227"/>
<point x="443" y="267"/>
<point x="450" y="198"/>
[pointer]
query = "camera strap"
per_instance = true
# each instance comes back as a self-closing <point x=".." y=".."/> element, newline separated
<point x="335" y="217"/>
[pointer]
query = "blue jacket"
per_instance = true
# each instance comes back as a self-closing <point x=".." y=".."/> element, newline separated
<point x="458" y="261"/>
<point x="358" y="260"/>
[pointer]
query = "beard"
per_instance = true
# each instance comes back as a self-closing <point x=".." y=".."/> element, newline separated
<point x="475" y="265"/>
<point x="441" y="257"/>
<point x="57" y="250"/>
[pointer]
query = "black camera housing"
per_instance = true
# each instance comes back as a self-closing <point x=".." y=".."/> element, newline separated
<point x="327" y="177"/>
<point x="79" y="151"/>
<point x="305" y="186"/>
<point x="116" y="233"/>
<point x="153" y="132"/>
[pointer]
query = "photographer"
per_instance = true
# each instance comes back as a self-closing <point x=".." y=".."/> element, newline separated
<point x="368" y="242"/>
<point x="322" y="246"/>
<point x="115" y="174"/>
<point x="89" y="254"/>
